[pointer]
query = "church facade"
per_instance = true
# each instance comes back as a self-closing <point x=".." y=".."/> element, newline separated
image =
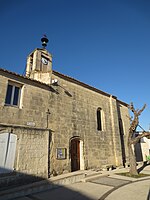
<point x="51" y="123"/>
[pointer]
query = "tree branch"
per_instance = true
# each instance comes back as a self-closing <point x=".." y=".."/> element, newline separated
<point x="135" y="121"/>
<point x="131" y="107"/>
<point x="139" y="112"/>
<point x="136" y="139"/>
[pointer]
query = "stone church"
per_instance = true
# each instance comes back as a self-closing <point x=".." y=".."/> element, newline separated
<point x="51" y="123"/>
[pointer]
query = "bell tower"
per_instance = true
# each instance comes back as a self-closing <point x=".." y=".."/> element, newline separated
<point x="39" y="63"/>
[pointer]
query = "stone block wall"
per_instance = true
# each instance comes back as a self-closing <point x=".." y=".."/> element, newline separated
<point x="31" y="157"/>
<point x="33" y="103"/>
<point x="72" y="112"/>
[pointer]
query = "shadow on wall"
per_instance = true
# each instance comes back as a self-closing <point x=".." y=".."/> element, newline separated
<point x="138" y="152"/>
<point x="19" y="186"/>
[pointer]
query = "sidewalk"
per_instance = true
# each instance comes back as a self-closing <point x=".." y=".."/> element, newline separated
<point x="105" y="186"/>
<point x="133" y="188"/>
<point x="138" y="191"/>
<point x="102" y="185"/>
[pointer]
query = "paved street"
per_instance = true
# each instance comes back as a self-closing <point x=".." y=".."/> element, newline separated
<point x="138" y="191"/>
<point x="91" y="191"/>
<point x="103" y="185"/>
<point x="76" y="191"/>
<point x="101" y="188"/>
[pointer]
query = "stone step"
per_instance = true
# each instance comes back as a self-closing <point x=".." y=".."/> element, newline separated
<point x="40" y="186"/>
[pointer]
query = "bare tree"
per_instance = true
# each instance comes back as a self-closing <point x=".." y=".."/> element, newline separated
<point x="133" y="140"/>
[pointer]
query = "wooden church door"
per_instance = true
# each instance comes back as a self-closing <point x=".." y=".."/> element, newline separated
<point x="75" y="154"/>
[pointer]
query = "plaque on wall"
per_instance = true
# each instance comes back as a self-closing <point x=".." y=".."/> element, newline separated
<point x="30" y="123"/>
<point x="61" y="153"/>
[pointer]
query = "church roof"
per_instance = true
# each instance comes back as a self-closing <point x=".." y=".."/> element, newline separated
<point x="70" y="79"/>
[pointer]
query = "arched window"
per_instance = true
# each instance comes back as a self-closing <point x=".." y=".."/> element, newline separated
<point x="99" y="119"/>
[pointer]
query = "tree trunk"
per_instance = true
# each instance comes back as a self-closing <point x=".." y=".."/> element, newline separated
<point x="132" y="140"/>
<point x="132" y="160"/>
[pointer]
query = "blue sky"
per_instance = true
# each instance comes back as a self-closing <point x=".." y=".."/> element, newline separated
<point x="104" y="43"/>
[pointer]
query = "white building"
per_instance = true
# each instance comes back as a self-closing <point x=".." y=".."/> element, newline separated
<point x="142" y="148"/>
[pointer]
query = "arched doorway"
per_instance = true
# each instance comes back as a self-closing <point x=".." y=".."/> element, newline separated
<point x="76" y="152"/>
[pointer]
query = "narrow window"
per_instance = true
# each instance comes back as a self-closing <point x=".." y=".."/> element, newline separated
<point x="99" y="119"/>
<point x="13" y="95"/>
